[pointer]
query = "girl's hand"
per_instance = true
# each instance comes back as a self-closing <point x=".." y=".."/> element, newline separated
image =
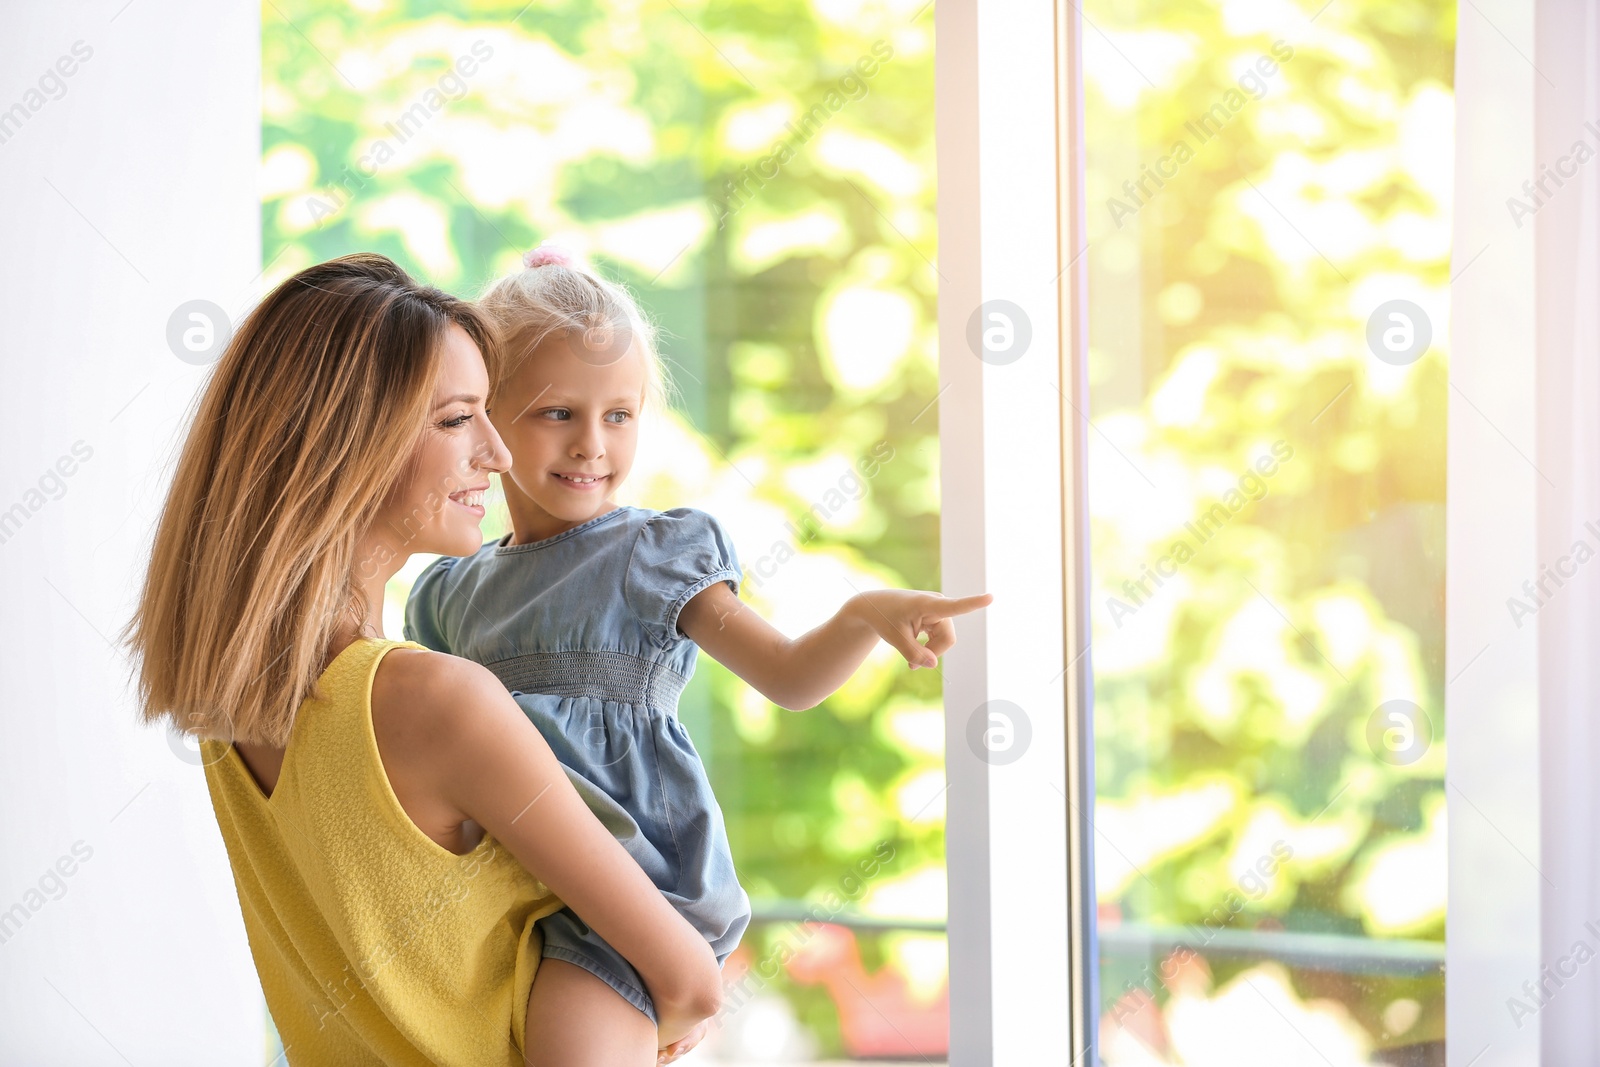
<point x="688" y="1041"/>
<point x="899" y="616"/>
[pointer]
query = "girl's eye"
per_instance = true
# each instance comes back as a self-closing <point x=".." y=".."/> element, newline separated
<point x="565" y="414"/>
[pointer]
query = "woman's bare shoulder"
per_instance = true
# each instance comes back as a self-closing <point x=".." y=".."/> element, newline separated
<point x="464" y="751"/>
<point x="425" y="667"/>
<point x="436" y="692"/>
<point x="435" y="717"/>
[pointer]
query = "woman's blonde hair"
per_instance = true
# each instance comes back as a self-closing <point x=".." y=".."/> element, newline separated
<point x="569" y="299"/>
<point x="306" y="424"/>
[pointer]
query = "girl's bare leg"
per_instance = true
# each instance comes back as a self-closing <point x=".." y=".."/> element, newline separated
<point x="576" y="1020"/>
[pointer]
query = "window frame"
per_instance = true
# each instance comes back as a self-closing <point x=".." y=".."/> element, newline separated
<point x="1012" y="434"/>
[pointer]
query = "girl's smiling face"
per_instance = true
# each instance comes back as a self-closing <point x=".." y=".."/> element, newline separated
<point x="571" y="423"/>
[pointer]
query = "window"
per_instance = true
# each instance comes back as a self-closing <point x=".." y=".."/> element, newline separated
<point x="1268" y="198"/>
<point x="763" y="180"/>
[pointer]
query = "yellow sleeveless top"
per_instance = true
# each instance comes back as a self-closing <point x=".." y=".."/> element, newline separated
<point x="374" y="943"/>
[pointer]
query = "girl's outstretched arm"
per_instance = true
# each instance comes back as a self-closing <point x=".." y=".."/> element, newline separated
<point x="799" y="673"/>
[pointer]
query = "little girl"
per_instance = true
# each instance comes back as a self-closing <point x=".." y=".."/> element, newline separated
<point x="592" y="613"/>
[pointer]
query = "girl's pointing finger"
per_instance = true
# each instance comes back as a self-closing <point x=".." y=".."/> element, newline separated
<point x="946" y="607"/>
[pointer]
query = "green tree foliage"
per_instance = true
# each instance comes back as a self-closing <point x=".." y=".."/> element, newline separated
<point x="1260" y="178"/>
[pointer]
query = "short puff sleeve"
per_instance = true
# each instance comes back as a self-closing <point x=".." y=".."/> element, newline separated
<point x="422" y="623"/>
<point x="678" y="553"/>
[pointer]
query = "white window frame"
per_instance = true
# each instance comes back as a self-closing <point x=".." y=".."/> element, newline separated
<point x="1011" y="434"/>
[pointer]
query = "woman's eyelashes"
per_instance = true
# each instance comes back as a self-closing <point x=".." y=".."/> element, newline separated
<point x="461" y="420"/>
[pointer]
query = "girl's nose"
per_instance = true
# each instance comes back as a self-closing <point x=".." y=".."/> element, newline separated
<point x="590" y="443"/>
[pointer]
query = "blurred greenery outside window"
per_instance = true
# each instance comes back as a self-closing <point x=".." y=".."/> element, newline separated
<point x="1267" y="525"/>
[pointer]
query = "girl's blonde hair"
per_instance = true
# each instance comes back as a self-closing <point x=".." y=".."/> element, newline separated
<point x="569" y="299"/>
<point x="305" y="425"/>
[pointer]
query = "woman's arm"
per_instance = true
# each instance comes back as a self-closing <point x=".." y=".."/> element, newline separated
<point x="799" y="673"/>
<point x="493" y="766"/>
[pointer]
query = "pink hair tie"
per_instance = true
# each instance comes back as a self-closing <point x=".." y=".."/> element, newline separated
<point x="546" y="254"/>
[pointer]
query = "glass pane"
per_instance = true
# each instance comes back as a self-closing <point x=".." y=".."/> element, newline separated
<point x="1268" y="193"/>
<point x="762" y="177"/>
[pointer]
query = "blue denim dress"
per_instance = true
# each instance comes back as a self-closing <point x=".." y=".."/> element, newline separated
<point x="582" y="629"/>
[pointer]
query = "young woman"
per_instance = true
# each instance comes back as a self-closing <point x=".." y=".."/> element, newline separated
<point x="395" y="824"/>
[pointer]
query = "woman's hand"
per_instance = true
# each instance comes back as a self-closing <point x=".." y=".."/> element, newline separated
<point x="899" y="616"/>
<point x="672" y="1052"/>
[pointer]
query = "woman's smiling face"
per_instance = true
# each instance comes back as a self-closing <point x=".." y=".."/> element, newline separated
<point x="570" y="421"/>
<point x="439" y="506"/>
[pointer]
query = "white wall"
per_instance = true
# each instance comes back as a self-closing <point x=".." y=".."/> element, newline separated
<point x="1567" y="379"/>
<point x="129" y="188"/>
